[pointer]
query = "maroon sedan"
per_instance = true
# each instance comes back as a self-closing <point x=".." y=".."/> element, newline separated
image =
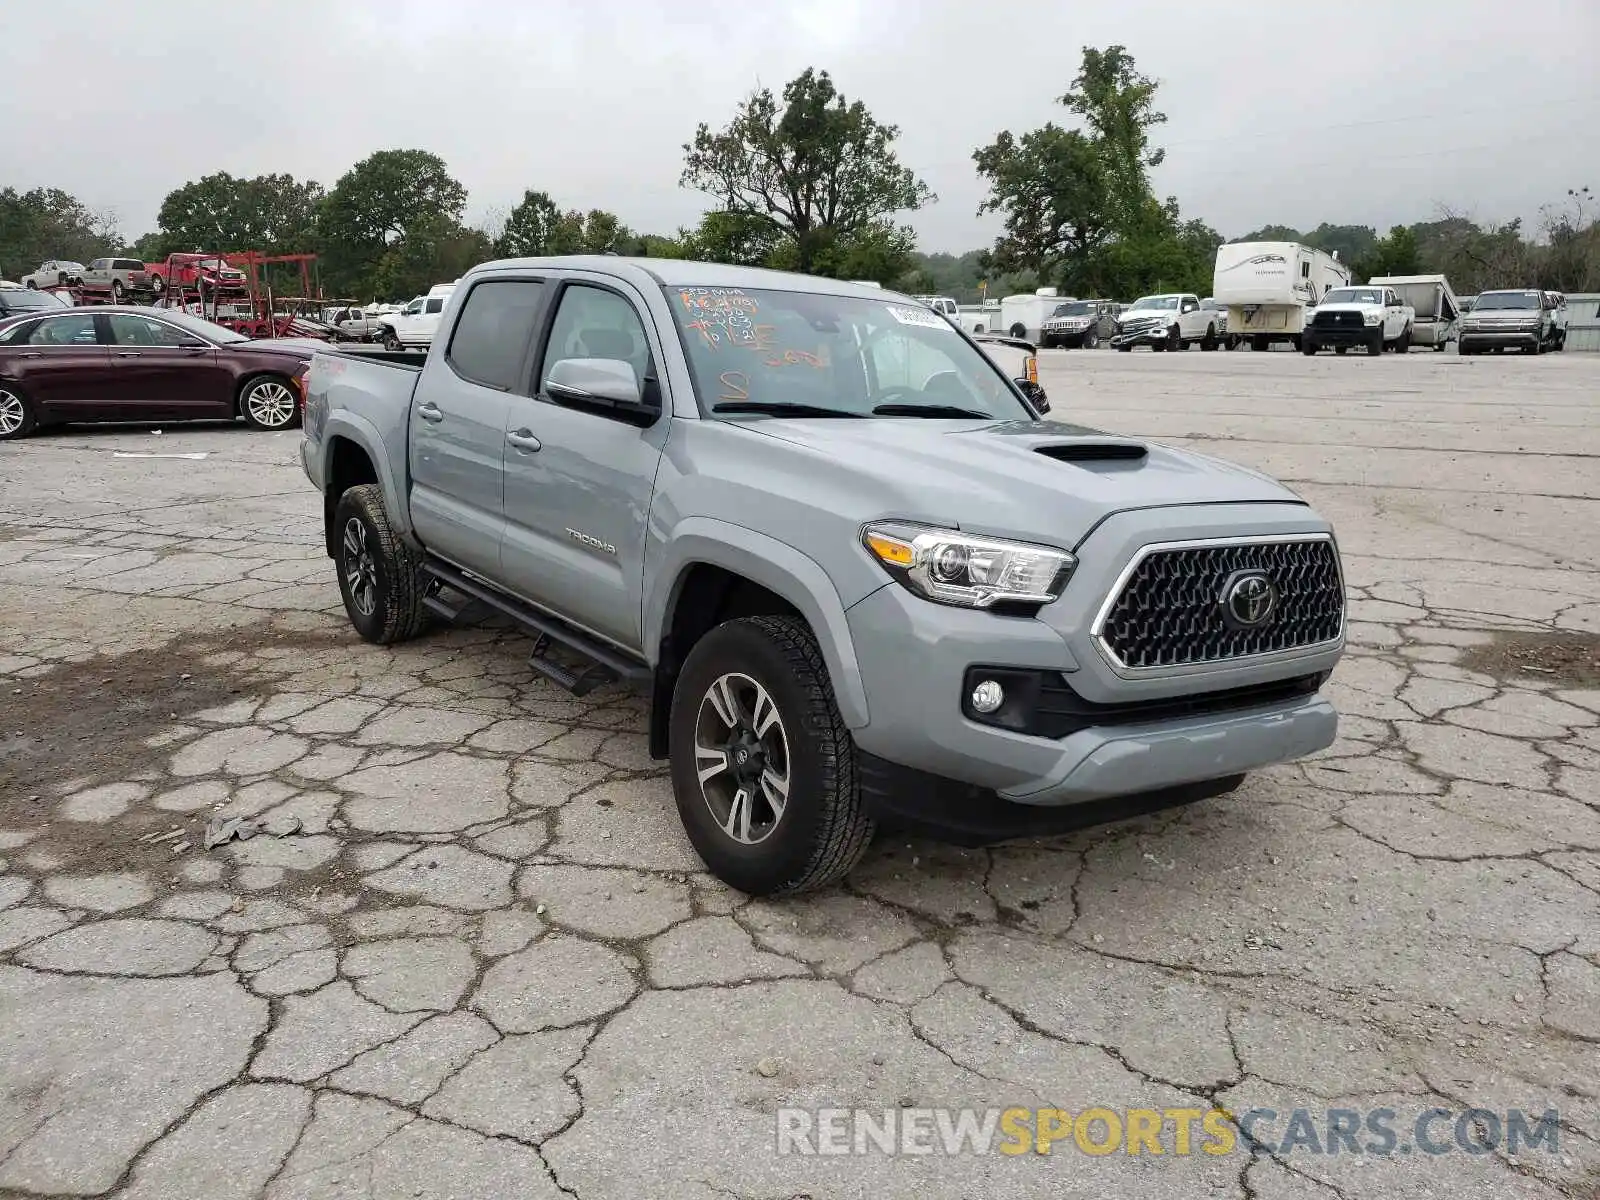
<point x="142" y="364"/>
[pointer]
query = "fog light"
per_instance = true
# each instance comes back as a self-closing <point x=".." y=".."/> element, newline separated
<point x="988" y="696"/>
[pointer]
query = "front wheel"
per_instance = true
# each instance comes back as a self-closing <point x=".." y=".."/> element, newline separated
<point x="1091" y="340"/>
<point x="116" y="291"/>
<point x="763" y="767"/>
<point x="1209" y="342"/>
<point x="1307" y="347"/>
<point x="1124" y="349"/>
<point x="268" y="402"/>
<point x="1175" y="339"/>
<point x="391" y="342"/>
<point x="380" y="575"/>
<point x="1402" y="344"/>
<point x="1375" y="346"/>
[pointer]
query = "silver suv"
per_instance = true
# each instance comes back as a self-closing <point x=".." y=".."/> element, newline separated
<point x="118" y="278"/>
<point x="1082" y="323"/>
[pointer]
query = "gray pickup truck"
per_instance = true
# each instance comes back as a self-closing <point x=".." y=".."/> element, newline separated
<point x="865" y="583"/>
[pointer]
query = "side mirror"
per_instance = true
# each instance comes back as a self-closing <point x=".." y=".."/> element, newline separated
<point x="606" y="383"/>
<point x="193" y="343"/>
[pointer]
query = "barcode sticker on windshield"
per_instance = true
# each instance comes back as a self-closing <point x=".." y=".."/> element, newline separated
<point x="917" y="316"/>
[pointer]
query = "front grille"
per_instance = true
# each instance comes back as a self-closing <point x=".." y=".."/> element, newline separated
<point x="1338" y="320"/>
<point x="1170" y="610"/>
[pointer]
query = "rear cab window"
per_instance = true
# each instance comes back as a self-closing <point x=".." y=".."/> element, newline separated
<point x="493" y="332"/>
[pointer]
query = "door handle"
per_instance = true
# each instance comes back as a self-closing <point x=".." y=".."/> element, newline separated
<point x="524" y="440"/>
<point x="129" y="354"/>
<point x="32" y="354"/>
<point x="430" y="412"/>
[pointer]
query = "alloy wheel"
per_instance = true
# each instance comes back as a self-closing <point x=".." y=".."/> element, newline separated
<point x="741" y="751"/>
<point x="12" y="414"/>
<point x="360" y="569"/>
<point x="270" y="404"/>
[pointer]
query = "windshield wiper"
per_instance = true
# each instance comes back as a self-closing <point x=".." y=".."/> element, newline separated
<point x="930" y="410"/>
<point x="780" y="409"/>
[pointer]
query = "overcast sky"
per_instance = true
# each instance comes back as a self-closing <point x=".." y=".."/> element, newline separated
<point x="1286" y="113"/>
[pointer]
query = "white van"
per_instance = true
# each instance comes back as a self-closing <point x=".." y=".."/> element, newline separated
<point x="1268" y="286"/>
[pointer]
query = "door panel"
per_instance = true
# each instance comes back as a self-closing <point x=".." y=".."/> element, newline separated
<point x="167" y="381"/>
<point x="457" y="469"/>
<point x="63" y="367"/>
<point x="578" y="506"/>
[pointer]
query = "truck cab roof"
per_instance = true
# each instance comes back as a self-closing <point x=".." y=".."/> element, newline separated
<point x="672" y="272"/>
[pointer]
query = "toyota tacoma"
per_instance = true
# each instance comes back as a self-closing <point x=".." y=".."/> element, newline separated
<point x="864" y="582"/>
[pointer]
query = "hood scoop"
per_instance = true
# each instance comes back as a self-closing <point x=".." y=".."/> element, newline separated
<point x="1093" y="452"/>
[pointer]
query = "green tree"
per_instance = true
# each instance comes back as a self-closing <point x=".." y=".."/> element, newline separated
<point x="1395" y="254"/>
<point x="1053" y="192"/>
<point x="1272" y="233"/>
<point x="275" y="214"/>
<point x="530" y="230"/>
<point x="1117" y="104"/>
<point x="383" y="202"/>
<point x="47" y="223"/>
<point x="815" y="171"/>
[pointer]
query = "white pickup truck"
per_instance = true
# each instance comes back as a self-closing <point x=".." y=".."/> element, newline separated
<point x="1168" y="322"/>
<point x="414" y="325"/>
<point x="1370" y="316"/>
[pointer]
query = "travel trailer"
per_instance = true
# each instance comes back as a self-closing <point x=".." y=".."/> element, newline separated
<point x="1268" y="286"/>
<point x="1437" y="308"/>
<point x="1023" y="316"/>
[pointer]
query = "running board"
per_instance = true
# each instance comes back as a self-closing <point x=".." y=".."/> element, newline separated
<point x="604" y="664"/>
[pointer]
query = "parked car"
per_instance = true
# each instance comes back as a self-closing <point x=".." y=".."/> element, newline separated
<point x="862" y="582"/>
<point x="15" y="299"/>
<point x="117" y="278"/>
<point x="1079" y="323"/>
<point x="1169" y="322"/>
<point x="1368" y="316"/>
<point x="353" y="325"/>
<point x="1558" y="320"/>
<point x="945" y="306"/>
<point x="138" y="364"/>
<point x="207" y="274"/>
<point x="414" y="325"/>
<point x="1521" y="318"/>
<point x="55" y="273"/>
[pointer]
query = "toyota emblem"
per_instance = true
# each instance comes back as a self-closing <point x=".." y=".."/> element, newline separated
<point x="1248" y="599"/>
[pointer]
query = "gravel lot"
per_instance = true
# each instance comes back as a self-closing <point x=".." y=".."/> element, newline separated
<point x="488" y="966"/>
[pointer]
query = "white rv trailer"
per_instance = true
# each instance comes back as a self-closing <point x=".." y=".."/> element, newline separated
<point x="1023" y="315"/>
<point x="1267" y="287"/>
<point x="1436" y="305"/>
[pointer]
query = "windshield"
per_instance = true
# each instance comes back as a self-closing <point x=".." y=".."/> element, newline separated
<point x="1080" y="308"/>
<point x="1353" y="296"/>
<point x="842" y="355"/>
<point x="18" y="299"/>
<point x="204" y="329"/>
<point x="1154" y="302"/>
<point x="1507" y="300"/>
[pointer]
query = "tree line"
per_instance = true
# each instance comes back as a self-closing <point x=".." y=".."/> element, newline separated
<point x="808" y="180"/>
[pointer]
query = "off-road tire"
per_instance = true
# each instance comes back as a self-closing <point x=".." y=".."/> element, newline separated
<point x="11" y="400"/>
<point x="399" y="614"/>
<point x="824" y="829"/>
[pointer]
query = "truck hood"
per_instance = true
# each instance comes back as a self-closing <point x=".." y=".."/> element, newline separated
<point x="1358" y="308"/>
<point x="1034" y="480"/>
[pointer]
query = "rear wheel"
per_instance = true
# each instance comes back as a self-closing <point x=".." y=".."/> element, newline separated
<point x="1019" y="330"/>
<point x="763" y="767"/>
<point x="16" y="414"/>
<point x="380" y="575"/>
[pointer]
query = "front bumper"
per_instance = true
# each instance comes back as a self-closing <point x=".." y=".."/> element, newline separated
<point x="1472" y="338"/>
<point x="1070" y="338"/>
<point x="1140" y="337"/>
<point x="914" y="655"/>
<point x="1341" y="335"/>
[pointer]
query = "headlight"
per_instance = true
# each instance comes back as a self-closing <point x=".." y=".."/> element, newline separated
<point x="1371" y="318"/>
<point x="969" y="572"/>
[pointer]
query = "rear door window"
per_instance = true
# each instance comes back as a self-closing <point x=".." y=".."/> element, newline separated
<point x="492" y="334"/>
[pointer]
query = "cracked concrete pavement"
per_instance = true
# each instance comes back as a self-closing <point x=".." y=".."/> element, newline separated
<point x="489" y="965"/>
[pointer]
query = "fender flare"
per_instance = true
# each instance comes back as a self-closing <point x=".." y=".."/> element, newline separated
<point x="358" y="429"/>
<point x="779" y="568"/>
